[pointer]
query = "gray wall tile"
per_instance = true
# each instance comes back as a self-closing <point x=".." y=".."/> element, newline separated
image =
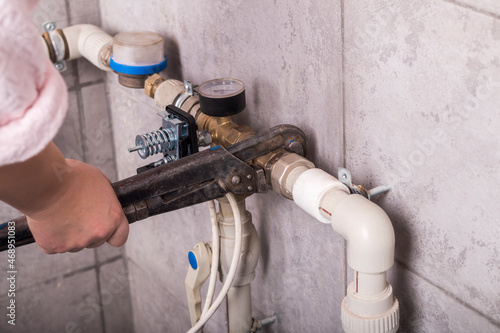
<point x="115" y="297"/>
<point x="71" y="306"/>
<point x="422" y="85"/>
<point x="50" y="11"/>
<point x="7" y="213"/>
<point x="69" y="137"/>
<point x="36" y="267"/>
<point x="84" y="12"/>
<point x="154" y="308"/>
<point x="97" y="130"/>
<point x="107" y="252"/>
<point x="88" y="73"/>
<point x="426" y="308"/>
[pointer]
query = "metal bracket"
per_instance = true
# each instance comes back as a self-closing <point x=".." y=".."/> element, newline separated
<point x="188" y="92"/>
<point x="58" y="45"/>
<point x="345" y="177"/>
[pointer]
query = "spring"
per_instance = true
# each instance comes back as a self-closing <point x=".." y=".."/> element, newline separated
<point x="156" y="142"/>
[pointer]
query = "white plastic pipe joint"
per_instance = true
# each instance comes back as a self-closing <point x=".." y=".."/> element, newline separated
<point x="369" y="305"/>
<point x="90" y="42"/>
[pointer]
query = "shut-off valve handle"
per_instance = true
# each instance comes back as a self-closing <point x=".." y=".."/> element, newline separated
<point x="200" y="258"/>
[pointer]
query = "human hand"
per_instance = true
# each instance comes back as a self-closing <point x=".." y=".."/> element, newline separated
<point x="83" y="213"/>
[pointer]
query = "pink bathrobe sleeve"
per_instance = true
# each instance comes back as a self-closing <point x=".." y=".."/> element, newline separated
<point x="33" y="95"/>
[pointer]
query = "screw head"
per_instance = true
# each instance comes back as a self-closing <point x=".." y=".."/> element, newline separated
<point x="50" y="26"/>
<point x="236" y="180"/>
<point x="249" y="176"/>
<point x="250" y="188"/>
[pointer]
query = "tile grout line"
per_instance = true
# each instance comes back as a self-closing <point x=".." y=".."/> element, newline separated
<point x="153" y="279"/>
<point x="72" y="273"/>
<point x="99" y="294"/>
<point x="78" y="86"/>
<point x="81" y="114"/>
<point x="124" y="258"/>
<point x="475" y="9"/>
<point x="448" y="294"/>
<point x="123" y="254"/>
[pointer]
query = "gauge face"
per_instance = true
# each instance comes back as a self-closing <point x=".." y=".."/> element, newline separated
<point x="221" y="88"/>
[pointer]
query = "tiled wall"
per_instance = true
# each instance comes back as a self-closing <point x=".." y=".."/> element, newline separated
<point x="403" y="93"/>
<point x="86" y="291"/>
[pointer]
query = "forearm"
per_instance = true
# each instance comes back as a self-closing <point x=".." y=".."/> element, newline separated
<point x="70" y="205"/>
<point x="30" y="186"/>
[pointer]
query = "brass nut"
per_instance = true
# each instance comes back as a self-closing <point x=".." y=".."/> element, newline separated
<point x="152" y="83"/>
<point x="282" y="169"/>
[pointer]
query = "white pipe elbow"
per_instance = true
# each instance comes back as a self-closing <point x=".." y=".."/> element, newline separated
<point x="368" y="232"/>
<point x="88" y="41"/>
<point x="365" y="226"/>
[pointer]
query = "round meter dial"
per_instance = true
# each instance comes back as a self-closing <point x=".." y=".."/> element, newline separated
<point x="222" y="97"/>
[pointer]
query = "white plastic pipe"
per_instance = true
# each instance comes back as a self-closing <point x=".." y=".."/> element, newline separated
<point x="239" y="309"/>
<point x="368" y="232"/>
<point x="88" y="41"/>
<point x="239" y="305"/>
<point x="370" y="248"/>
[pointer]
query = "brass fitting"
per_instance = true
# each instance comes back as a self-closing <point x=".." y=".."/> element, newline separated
<point x="152" y="83"/>
<point x="288" y="166"/>
<point x="223" y="130"/>
<point x="106" y="55"/>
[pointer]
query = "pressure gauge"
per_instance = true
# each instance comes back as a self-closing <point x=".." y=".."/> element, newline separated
<point x="222" y="97"/>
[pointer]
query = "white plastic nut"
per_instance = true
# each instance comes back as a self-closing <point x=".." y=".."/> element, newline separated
<point x="167" y="92"/>
<point x="370" y="314"/>
<point x="310" y="189"/>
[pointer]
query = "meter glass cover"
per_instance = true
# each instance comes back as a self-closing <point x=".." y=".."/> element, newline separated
<point x="221" y="88"/>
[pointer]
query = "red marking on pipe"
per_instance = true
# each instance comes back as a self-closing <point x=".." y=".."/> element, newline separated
<point x="356" y="281"/>
<point x="325" y="211"/>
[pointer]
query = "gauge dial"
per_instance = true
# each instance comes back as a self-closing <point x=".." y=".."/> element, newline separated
<point x="221" y="88"/>
<point x="222" y="97"/>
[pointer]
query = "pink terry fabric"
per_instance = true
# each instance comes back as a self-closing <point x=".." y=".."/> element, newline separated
<point x="33" y="95"/>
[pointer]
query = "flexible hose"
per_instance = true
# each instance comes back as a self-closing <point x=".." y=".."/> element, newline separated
<point x="215" y="257"/>
<point x="232" y="270"/>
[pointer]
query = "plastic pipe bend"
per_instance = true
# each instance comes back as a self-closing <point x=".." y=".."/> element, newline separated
<point x="368" y="232"/>
<point x="88" y="41"/>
